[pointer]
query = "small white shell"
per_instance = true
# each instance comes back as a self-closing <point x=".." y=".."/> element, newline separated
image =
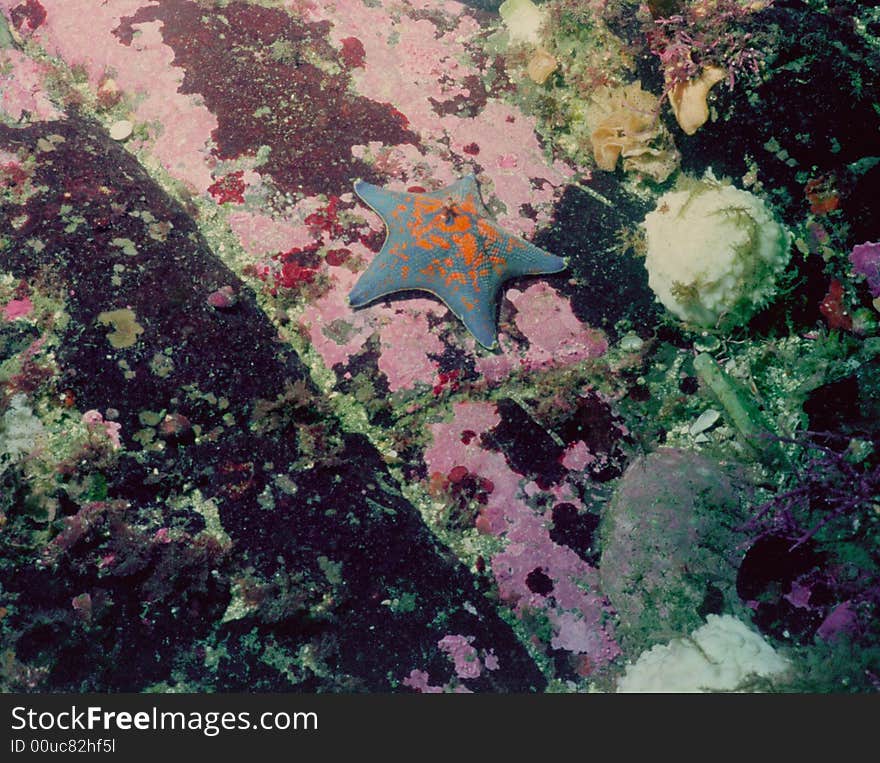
<point x="704" y="421"/>
<point x="121" y="130"/>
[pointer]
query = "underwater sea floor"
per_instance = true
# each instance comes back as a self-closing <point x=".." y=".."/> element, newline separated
<point x="655" y="469"/>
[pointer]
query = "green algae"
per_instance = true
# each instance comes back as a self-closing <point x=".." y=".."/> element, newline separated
<point x="126" y="329"/>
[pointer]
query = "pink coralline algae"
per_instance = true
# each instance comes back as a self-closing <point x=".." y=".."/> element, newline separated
<point x="467" y="661"/>
<point x="334" y="330"/>
<point x="22" y="88"/>
<point x="162" y="535"/>
<point x="17" y="308"/>
<point x="142" y="69"/>
<point x="555" y="335"/>
<point x="431" y="61"/>
<point x="298" y="100"/>
<point x="110" y="429"/>
<point x="406" y="341"/>
<point x="799" y="595"/>
<point x="865" y="259"/>
<point x="465" y="656"/>
<point x="261" y="234"/>
<point x="407" y="346"/>
<point x="533" y="573"/>
<point x="577" y="456"/>
<point x="420" y="681"/>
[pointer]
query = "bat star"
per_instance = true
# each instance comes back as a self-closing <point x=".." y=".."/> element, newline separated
<point x="445" y="243"/>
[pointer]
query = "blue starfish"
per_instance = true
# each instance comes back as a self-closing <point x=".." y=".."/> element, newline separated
<point x="444" y="243"/>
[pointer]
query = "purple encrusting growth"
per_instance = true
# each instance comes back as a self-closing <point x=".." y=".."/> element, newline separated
<point x="865" y="259"/>
<point x="823" y="592"/>
<point x="467" y="661"/>
<point x="465" y="657"/>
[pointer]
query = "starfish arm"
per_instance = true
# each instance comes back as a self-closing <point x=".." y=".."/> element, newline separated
<point x="478" y="317"/>
<point x="377" y="281"/>
<point x="520" y="257"/>
<point x="480" y="320"/>
<point x="382" y="201"/>
<point x="463" y="191"/>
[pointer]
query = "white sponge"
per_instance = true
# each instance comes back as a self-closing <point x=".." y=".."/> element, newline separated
<point x="718" y="656"/>
<point x="714" y="252"/>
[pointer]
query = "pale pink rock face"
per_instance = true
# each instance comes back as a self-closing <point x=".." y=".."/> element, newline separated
<point x="435" y="71"/>
<point x="262" y="234"/>
<point x="70" y="22"/>
<point x="406" y="348"/>
<point x="463" y="655"/>
<point x="553" y="331"/>
<point x="577" y="456"/>
<point x="337" y="332"/>
<point x="420" y="681"/>
<point x="334" y="331"/>
<point x="81" y="33"/>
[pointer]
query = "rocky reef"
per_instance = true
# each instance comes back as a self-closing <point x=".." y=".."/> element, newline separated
<point x="216" y="475"/>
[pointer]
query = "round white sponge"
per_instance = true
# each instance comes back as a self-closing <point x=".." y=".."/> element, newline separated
<point x="714" y="252"/>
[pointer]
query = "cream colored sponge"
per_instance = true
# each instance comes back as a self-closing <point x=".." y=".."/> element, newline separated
<point x="714" y="252"/>
<point x="722" y="655"/>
